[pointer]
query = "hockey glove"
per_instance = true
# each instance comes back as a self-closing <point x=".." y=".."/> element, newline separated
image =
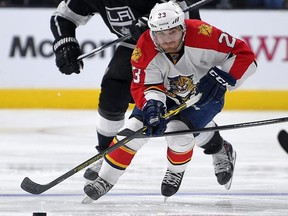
<point x="67" y="51"/>
<point x="213" y="86"/>
<point x="138" y="27"/>
<point x="152" y="117"/>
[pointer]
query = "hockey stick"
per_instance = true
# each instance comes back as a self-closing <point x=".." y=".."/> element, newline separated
<point x="197" y="5"/>
<point x="225" y="127"/>
<point x="35" y="188"/>
<point x="283" y="139"/>
<point x="101" y="48"/>
<point x="121" y="39"/>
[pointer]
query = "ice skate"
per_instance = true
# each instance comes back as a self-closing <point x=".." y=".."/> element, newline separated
<point x="87" y="200"/>
<point x="92" y="172"/>
<point x="171" y="183"/>
<point x="96" y="189"/>
<point x="224" y="164"/>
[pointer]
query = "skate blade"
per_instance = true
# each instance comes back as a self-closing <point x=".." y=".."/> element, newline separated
<point x="229" y="183"/>
<point x="87" y="200"/>
<point x="165" y="199"/>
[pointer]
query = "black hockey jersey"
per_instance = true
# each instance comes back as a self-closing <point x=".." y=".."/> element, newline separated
<point x="117" y="14"/>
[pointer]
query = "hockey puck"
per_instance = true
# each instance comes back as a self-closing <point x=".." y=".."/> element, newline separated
<point x="283" y="139"/>
<point x="39" y="214"/>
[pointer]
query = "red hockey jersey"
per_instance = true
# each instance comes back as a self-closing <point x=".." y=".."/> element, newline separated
<point x="155" y="76"/>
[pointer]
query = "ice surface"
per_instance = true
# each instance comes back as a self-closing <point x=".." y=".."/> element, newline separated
<point x="44" y="144"/>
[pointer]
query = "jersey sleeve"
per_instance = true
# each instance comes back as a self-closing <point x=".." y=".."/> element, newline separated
<point x="232" y="54"/>
<point x="147" y="82"/>
<point x="68" y="16"/>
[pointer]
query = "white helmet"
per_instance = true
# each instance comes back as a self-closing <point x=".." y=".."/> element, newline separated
<point x="166" y="16"/>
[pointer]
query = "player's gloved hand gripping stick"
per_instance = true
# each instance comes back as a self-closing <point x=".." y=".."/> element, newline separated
<point x="214" y="85"/>
<point x="152" y="112"/>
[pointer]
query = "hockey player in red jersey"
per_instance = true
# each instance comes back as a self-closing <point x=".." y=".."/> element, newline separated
<point x="173" y="61"/>
<point x="121" y="17"/>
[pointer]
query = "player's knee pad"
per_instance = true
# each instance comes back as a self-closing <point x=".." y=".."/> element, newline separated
<point x="181" y="143"/>
<point x="108" y="124"/>
<point x="131" y="126"/>
<point x="203" y="138"/>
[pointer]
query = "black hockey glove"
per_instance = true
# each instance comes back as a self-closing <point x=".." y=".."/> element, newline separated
<point x="138" y="27"/>
<point x="67" y="50"/>
<point x="213" y="86"/>
<point x="152" y="117"/>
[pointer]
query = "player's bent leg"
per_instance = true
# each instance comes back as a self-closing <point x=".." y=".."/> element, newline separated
<point x="115" y="96"/>
<point x="112" y="168"/>
<point x="115" y="163"/>
<point x="228" y="157"/>
<point x="223" y="154"/>
<point x="110" y="120"/>
<point x="212" y="142"/>
<point x="91" y="173"/>
<point x="179" y="153"/>
<point x="106" y="130"/>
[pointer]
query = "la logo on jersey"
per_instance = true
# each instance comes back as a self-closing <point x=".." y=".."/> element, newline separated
<point x="120" y="18"/>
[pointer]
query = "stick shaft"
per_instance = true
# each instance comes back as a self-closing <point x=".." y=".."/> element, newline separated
<point x="222" y="128"/>
<point x="101" y="48"/>
<point x="197" y="5"/>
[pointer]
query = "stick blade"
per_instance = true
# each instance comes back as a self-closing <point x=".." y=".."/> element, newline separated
<point x="31" y="187"/>
<point x="283" y="139"/>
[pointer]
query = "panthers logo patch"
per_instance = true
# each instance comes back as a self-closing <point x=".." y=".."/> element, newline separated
<point x="136" y="54"/>
<point x="205" y="30"/>
<point x="181" y="88"/>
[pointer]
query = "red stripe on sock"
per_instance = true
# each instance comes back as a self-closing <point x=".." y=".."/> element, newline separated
<point x="120" y="157"/>
<point x="179" y="158"/>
